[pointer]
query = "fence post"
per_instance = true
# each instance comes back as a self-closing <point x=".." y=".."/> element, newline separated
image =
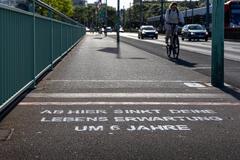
<point x="1" y="65"/>
<point x="61" y="38"/>
<point x="34" y="44"/>
<point x="51" y="55"/>
<point x="207" y="15"/>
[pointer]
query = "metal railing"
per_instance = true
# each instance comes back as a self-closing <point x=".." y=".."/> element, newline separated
<point x="30" y="43"/>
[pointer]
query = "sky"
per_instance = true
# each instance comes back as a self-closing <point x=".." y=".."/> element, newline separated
<point x="113" y="3"/>
<point x="125" y="3"/>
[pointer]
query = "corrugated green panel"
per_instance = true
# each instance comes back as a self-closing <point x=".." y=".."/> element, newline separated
<point x="56" y="40"/>
<point x="69" y="36"/>
<point x="17" y="48"/>
<point x="1" y="58"/>
<point x="72" y="39"/>
<point x="43" y="43"/>
<point x="74" y="34"/>
<point x="16" y="52"/>
<point x="64" y="37"/>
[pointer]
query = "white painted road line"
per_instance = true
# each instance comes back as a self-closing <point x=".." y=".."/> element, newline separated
<point x="127" y="95"/>
<point x="129" y="103"/>
<point x="195" y="85"/>
<point x="140" y="81"/>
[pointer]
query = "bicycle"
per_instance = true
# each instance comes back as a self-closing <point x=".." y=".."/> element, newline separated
<point x="173" y="48"/>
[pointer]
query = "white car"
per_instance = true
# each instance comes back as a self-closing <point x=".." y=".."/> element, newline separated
<point x="121" y="30"/>
<point x="147" y="31"/>
<point x="109" y="29"/>
<point x="87" y="29"/>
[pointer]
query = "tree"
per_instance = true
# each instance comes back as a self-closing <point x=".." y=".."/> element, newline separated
<point x="66" y="7"/>
<point x="63" y="6"/>
<point x="92" y="17"/>
<point x="81" y="14"/>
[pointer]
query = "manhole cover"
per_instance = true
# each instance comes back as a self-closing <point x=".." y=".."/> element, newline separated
<point x="5" y="134"/>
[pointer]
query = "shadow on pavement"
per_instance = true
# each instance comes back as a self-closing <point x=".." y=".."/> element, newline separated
<point x="13" y="104"/>
<point x="232" y="91"/>
<point x="183" y="63"/>
<point x="97" y="38"/>
<point x="109" y="50"/>
<point x="136" y="58"/>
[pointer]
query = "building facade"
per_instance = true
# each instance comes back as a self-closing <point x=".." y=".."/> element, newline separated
<point x="138" y="1"/>
<point x="79" y="2"/>
<point x="9" y="2"/>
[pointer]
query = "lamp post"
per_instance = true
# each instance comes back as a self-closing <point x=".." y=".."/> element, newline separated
<point x="123" y="17"/>
<point x="161" y="16"/>
<point x="106" y="15"/>
<point x="207" y="15"/>
<point x="141" y="12"/>
<point x="118" y="21"/>
<point x="192" y="9"/>
<point x="186" y="8"/>
<point x="130" y="19"/>
<point x="217" y="77"/>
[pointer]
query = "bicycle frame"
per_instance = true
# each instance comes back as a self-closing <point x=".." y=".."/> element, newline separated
<point x="174" y="43"/>
<point x="173" y="33"/>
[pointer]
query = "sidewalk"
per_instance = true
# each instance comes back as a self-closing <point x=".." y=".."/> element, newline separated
<point x="104" y="102"/>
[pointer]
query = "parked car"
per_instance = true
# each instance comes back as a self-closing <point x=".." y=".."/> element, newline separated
<point x="87" y="29"/>
<point x="194" y="31"/>
<point x="109" y="29"/>
<point x="121" y="29"/>
<point x="147" y="31"/>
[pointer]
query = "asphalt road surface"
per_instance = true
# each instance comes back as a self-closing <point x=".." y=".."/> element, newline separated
<point x="231" y="48"/>
<point x="109" y="102"/>
<point x="194" y="55"/>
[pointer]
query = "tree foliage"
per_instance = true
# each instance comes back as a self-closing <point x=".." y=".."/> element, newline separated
<point x="64" y="6"/>
<point x="92" y="17"/>
<point x="150" y="9"/>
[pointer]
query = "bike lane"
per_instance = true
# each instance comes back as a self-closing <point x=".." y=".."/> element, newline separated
<point x="127" y="116"/>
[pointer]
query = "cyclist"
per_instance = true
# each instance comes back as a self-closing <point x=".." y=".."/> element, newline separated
<point x="172" y="17"/>
<point x="105" y="30"/>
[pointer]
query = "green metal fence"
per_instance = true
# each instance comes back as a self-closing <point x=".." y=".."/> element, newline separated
<point x="29" y="45"/>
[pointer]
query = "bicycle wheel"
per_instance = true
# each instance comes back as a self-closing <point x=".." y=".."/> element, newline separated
<point x="169" y="50"/>
<point x="175" y="47"/>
